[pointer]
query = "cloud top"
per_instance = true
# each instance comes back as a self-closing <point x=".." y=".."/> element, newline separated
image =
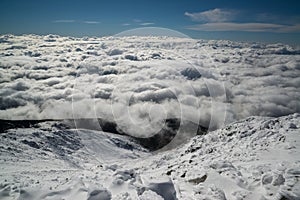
<point x="211" y="82"/>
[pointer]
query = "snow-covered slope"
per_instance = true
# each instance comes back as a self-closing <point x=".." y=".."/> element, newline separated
<point x="257" y="158"/>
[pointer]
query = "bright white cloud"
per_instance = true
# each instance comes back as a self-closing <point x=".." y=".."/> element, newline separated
<point x="215" y="15"/>
<point x="157" y="83"/>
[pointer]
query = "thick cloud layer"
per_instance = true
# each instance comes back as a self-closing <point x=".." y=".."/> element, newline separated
<point x="140" y="81"/>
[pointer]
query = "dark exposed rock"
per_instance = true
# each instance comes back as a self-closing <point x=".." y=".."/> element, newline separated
<point x="131" y="57"/>
<point x="198" y="180"/>
<point x="31" y="144"/>
<point x="11" y="124"/>
<point x="64" y="140"/>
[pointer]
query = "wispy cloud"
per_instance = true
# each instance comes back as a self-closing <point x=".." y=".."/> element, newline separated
<point x="138" y="22"/>
<point x="269" y="17"/>
<point x="230" y="20"/>
<point x="247" y="27"/>
<point x="91" y="22"/>
<point x="64" y="21"/>
<point x="147" y="24"/>
<point x="291" y="29"/>
<point x="215" y="15"/>
<point x="75" y="21"/>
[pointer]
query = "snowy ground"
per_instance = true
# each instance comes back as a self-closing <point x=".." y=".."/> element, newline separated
<point x="257" y="158"/>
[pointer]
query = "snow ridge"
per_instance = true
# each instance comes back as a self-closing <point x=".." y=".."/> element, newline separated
<point x="256" y="158"/>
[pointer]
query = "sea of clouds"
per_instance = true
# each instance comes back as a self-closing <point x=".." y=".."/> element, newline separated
<point x="141" y="81"/>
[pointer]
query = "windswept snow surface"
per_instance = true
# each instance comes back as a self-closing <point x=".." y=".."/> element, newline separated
<point x="257" y="158"/>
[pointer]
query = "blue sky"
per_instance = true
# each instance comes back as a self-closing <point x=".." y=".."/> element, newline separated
<point x="255" y="20"/>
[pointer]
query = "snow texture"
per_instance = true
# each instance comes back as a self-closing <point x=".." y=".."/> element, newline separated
<point x="256" y="158"/>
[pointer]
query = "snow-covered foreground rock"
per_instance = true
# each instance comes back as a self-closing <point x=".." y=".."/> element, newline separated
<point x="257" y="158"/>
